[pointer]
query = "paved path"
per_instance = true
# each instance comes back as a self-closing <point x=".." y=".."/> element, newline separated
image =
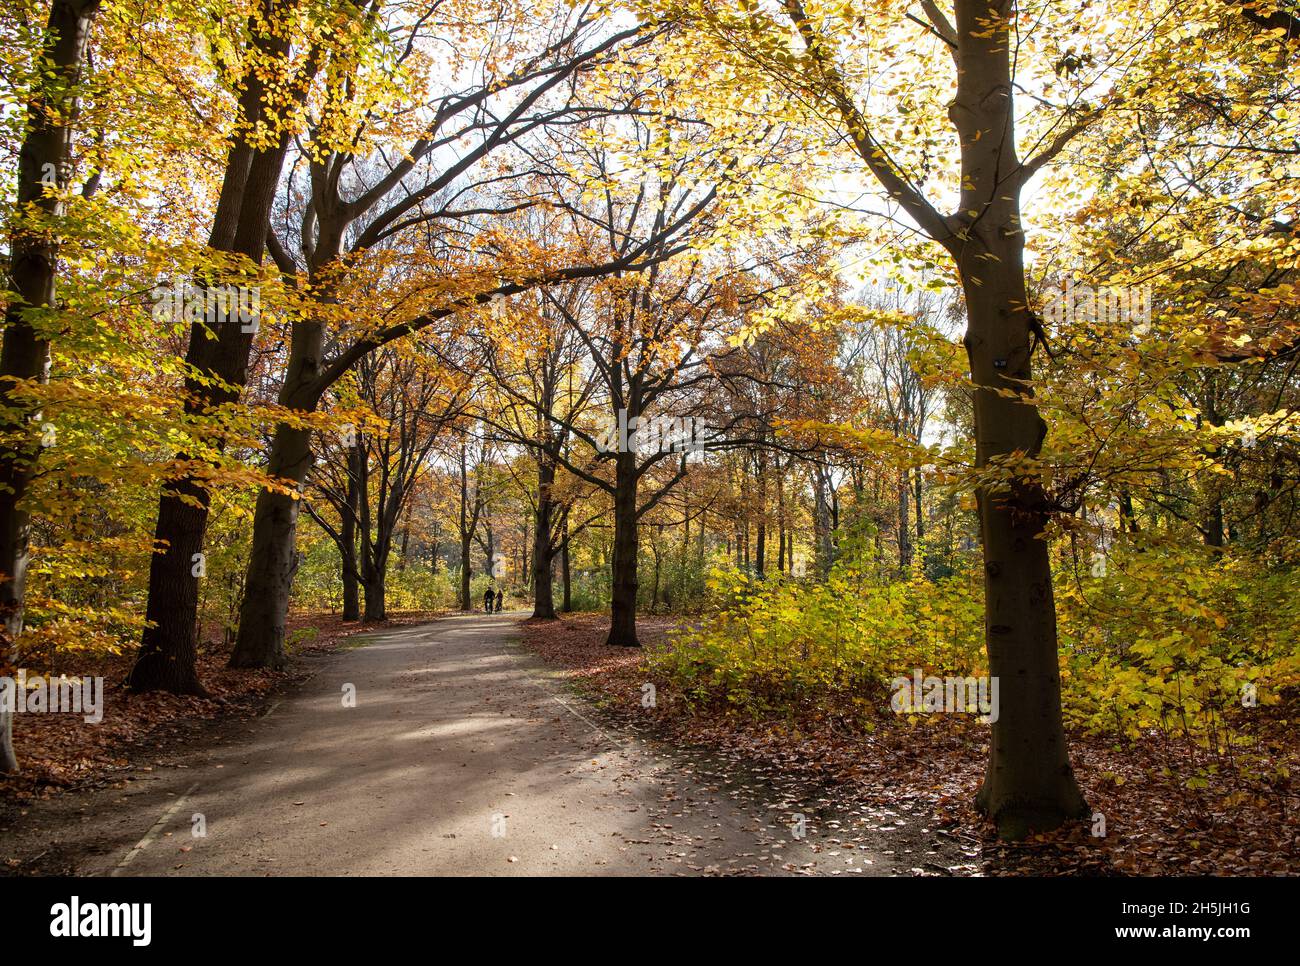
<point x="461" y="756"/>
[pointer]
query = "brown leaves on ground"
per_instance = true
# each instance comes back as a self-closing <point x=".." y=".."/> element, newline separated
<point x="61" y="751"/>
<point x="1154" y="823"/>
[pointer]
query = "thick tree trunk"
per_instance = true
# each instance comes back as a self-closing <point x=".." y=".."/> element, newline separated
<point x="351" y="592"/>
<point x="169" y="651"/>
<point x="1213" y="530"/>
<point x="33" y="268"/>
<point x="543" y="586"/>
<point x="168" y="647"/>
<point x="273" y="557"/>
<point x="465" y="548"/>
<point x="1028" y="786"/>
<point x="376" y="542"/>
<point x="376" y="596"/>
<point x="489" y="552"/>
<point x="622" y="624"/>
<point x="543" y="593"/>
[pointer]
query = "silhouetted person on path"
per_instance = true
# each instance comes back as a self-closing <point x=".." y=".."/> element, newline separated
<point x="501" y="596"/>
<point x="487" y="601"/>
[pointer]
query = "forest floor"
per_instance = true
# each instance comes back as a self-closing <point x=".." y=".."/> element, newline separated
<point x="464" y="754"/>
<point x="1231" y="820"/>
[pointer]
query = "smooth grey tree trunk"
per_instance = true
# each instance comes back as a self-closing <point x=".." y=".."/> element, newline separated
<point x="1029" y="785"/>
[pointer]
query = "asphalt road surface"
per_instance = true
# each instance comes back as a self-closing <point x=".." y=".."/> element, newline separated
<point x="437" y="749"/>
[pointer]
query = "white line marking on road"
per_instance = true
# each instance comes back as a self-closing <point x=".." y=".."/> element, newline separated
<point x="149" y="835"/>
<point x="578" y="714"/>
<point x="535" y="678"/>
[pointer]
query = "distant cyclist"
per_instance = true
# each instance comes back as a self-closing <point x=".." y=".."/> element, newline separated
<point x="487" y="601"/>
<point x="501" y="596"/>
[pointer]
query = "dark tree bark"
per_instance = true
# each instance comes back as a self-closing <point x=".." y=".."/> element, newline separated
<point x="468" y="524"/>
<point x="760" y="541"/>
<point x="543" y="543"/>
<point x="567" y="605"/>
<point x="373" y="556"/>
<point x="273" y="558"/>
<point x="33" y="270"/>
<point x="169" y="645"/>
<point x="904" y="522"/>
<point x="1028" y="786"/>
<point x="348" y="537"/>
<point x="622" y="624"/>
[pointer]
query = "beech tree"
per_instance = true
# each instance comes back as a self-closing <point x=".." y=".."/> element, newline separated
<point x="273" y="81"/>
<point x="433" y="200"/>
<point x="1029" y="785"/>
<point x="43" y="177"/>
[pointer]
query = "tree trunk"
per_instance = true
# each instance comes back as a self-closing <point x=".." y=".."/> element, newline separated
<point x="822" y="525"/>
<point x="1126" y="511"/>
<point x="465" y="535"/>
<point x="351" y="593"/>
<point x="168" y="648"/>
<point x="543" y="593"/>
<point x="1029" y="786"/>
<point x="622" y="623"/>
<point x="376" y="596"/>
<point x="918" y="484"/>
<point x="567" y="605"/>
<point x="524" y="559"/>
<point x="273" y="558"/>
<point x="33" y="269"/>
<point x="490" y="552"/>
<point x="1213" y="530"/>
<point x="348" y="535"/>
<point x="904" y="522"/>
<point x="375" y="542"/>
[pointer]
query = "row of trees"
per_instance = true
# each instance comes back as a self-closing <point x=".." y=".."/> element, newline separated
<point x="371" y="198"/>
<point x="541" y="280"/>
